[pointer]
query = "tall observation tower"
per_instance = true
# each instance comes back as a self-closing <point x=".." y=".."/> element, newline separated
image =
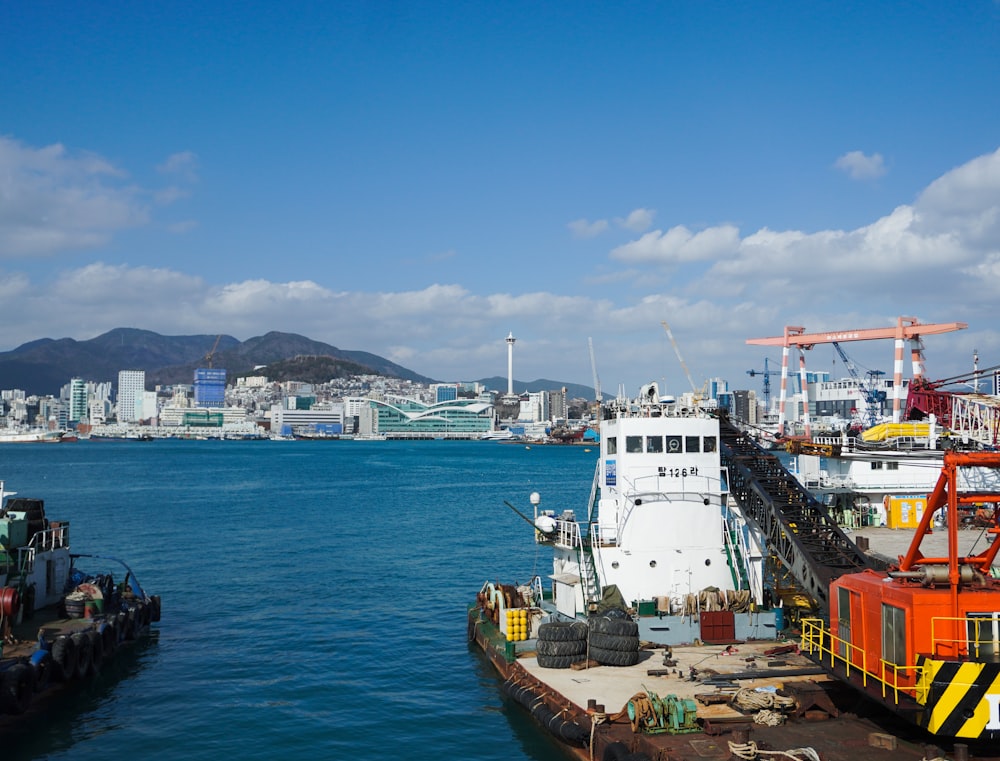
<point x="510" y="364"/>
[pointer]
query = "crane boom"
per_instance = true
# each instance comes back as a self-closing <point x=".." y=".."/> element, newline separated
<point x="680" y="359"/>
<point x="593" y="367"/>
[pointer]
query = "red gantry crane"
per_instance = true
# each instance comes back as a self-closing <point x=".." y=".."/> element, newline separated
<point x="906" y="329"/>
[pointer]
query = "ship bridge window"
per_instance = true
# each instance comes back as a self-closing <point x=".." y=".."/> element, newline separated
<point x="894" y="634"/>
<point x="709" y="443"/>
<point x="892" y="466"/>
<point x="633" y="444"/>
<point x="692" y="444"/>
<point x="674" y="444"/>
<point x="876" y="465"/>
<point x="612" y="445"/>
<point x="654" y="444"/>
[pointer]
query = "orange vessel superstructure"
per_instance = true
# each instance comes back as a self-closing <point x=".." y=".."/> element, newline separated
<point x="925" y="638"/>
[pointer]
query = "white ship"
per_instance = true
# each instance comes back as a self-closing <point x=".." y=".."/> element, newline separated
<point x="660" y="530"/>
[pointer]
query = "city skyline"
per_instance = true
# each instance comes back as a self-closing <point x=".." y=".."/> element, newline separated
<point x="419" y="182"/>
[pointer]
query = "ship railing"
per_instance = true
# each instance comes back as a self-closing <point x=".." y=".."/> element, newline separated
<point x="966" y="640"/>
<point x="56" y="536"/>
<point x="826" y="646"/>
<point x="839" y="654"/>
<point x="568" y="534"/>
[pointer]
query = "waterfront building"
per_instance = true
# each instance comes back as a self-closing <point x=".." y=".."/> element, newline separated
<point x="131" y="385"/>
<point x="534" y="407"/>
<point x="408" y="417"/>
<point x="209" y="387"/>
<point x="77" y="400"/>
<point x="325" y="419"/>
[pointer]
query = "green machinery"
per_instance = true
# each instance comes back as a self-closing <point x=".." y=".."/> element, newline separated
<point x="654" y="715"/>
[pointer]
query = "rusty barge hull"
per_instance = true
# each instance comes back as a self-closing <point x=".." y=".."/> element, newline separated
<point x="584" y="710"/>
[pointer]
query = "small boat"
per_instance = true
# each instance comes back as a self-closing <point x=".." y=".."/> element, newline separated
<point x="63" y="614"/>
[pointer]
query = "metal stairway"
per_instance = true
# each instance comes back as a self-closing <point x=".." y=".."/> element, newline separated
<point x="797" y="529"/>
<point x="589" y="579"/>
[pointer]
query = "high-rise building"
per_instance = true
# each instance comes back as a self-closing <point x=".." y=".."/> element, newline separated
<point x="131" y="385"/>
<point x="209" y="387"/>
<point x="78" y="400"/>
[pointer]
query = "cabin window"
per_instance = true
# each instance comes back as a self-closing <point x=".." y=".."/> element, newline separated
<point x="692" y="444"/>
<point x="894" y="634"/>
<point x="612" y="445"/>
<point x="984" y="637"/>
<point x="843" y="620"/>
<point x="633" y="444"/>
<point x="674" y="444"/>
<point x="709" y="443"/>
<point x="892" y="466"/>
<point x="654" y="444"/>
<point x="876" y="465"/>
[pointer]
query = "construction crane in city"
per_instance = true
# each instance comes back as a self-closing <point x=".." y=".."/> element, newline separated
<point x="698" y="393"/>
<point x="767" y="382"/>
<point x="593" y="367"/>
<point x="211" y="354"/>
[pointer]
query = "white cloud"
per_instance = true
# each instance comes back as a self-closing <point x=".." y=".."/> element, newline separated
<point x="679" y="244"/>
<point x="183" y="164"/>
<point x="581" y="228"/>
<point x="637" y="221"/>
<point x="858" y="166"/>
<point x="52" y="200"/>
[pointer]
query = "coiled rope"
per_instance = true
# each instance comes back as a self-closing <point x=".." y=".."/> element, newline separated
<point x="750" y="699"/>
<point x="749" y="751"/>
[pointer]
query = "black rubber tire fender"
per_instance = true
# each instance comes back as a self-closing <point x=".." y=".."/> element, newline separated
<point x="84" y="654"/>
<point x="96" y="650"/>
<point x="109" y="639"/>
<point x="614" y="657"/>
<point x="43" y="666"/>
<point x="155" y="605"/>
<point x="573" y="647"/>
<point x="559" y="661"/>
<point x="614" y="641"/>
<point x="615" y="751"/>
<point x="18" y="688"/>
<point x="622" y="627"/>
<point x="64" y="656"/>
<point x="562" y="631"/>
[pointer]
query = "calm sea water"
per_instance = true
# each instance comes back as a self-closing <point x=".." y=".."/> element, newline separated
<point x="314" y="595"/>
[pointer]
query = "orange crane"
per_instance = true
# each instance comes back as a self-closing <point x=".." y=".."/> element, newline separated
<point x="907" y="328"/>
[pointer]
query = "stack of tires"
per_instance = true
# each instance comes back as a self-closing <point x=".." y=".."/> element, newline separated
<point x="561" y="644"/>
<point x="614" y="641"/>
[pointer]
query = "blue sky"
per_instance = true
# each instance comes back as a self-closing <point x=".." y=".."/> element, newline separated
<point x="419" y="179"/>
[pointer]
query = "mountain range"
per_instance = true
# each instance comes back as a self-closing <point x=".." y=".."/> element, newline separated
<point x="44" y="366"/>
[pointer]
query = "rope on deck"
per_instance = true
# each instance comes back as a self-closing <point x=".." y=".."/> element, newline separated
<point x="749" y="752"/>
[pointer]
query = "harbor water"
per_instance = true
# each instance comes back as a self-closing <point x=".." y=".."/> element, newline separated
<point x="314" y="595"/>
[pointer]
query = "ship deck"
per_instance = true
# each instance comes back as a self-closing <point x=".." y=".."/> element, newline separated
<point x="837" y="722"/>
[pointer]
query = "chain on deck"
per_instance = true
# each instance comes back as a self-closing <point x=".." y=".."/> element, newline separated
<point x="796" y="526"/>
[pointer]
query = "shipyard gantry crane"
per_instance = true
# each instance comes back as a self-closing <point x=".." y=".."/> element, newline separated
<point x="906" y="329"/>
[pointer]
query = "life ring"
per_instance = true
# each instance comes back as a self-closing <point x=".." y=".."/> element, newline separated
<point x="18" y="687"/>
<point x="42" y="664"/>
<point x="64" y="657"/>
<point x="10" y="602"/>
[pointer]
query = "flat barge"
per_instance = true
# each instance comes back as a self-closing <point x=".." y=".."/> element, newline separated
<point x="63" y="615"/>
<point x="673" y="628"/>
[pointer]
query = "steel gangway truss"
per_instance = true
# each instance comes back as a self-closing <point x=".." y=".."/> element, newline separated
<point x="798" y="530"/>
